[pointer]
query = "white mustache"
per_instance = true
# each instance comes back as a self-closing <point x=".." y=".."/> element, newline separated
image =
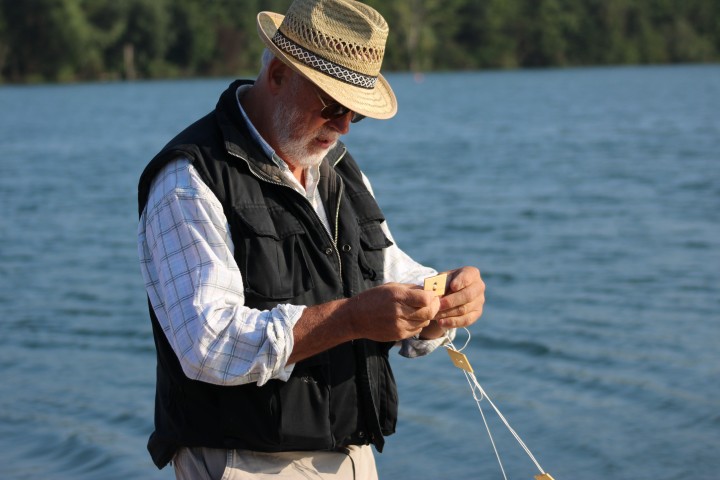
<point x="328" y="134"/>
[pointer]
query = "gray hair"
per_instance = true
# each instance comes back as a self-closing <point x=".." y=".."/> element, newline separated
<point x="265" y="59"/>
<point x="267" y="55"/>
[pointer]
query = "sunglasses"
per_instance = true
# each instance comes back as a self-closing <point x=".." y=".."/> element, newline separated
<point x="333" y="110"/>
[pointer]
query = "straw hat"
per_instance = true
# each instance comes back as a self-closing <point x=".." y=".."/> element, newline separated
<point x="338" y="45"/>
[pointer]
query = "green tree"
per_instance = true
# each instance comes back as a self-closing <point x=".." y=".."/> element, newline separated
<point x="146" y="39"/>
<point x="4" y="44"/>
<point x="422" y="33"/>
<point x="194" y="42"/>
<point x="238" y="47"/>
<point x="490" y="32"/>
<point x="548" y="28"/>
<point x="51" y="40"/>
<point x="48" y="39"/>
<point x="108" y="21"/>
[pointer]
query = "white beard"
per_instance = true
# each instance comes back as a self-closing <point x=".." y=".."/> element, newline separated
<point x="286" y="122"/>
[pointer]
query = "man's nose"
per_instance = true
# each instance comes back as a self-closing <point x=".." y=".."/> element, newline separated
<point x="342" y="124"/>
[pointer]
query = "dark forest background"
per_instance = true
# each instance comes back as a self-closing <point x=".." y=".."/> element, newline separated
<point x="85" y="40"/>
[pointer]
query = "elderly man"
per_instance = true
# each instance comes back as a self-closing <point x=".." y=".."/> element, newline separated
<point x="274" y="285"/>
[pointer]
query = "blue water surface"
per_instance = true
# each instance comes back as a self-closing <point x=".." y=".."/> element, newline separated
<point x="589" y="198"/>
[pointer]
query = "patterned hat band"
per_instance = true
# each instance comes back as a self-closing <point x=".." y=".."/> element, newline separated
<point x="320" y="64"/>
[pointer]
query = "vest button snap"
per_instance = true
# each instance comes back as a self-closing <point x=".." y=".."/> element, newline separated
<point x="346" y="247"/>
<point x="328" y="251"/>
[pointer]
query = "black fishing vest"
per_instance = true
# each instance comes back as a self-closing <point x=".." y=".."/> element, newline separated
<point x="346" y="395"/>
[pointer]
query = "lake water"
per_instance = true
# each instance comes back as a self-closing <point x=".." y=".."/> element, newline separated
<point x="589" y="198"/>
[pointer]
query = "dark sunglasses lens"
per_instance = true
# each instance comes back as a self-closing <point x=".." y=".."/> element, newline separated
<point x="333" y="111"/>
<point x="336" y="110"/>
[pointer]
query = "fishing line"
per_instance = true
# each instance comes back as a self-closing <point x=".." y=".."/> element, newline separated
<point x="479" y="394"/>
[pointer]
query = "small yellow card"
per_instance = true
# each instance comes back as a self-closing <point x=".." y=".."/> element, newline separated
<point x="544" y="476"/>
<point x="460" y="360"/>
<point x="436" y="284"/>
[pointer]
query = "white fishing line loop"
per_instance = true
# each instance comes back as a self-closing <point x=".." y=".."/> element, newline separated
<point x="466" y="341"/>
<point x="479" y="395"/>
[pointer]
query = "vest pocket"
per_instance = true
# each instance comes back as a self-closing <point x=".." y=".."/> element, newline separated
<point x="271" y="255"/>
<point x="371" y="256"/>
<point x="305" y="411"/>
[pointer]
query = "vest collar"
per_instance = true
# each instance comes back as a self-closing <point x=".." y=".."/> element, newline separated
<point x="239" y="142"/>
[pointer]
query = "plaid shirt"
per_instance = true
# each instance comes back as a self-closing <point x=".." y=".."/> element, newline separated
<point x="196" y="288"/>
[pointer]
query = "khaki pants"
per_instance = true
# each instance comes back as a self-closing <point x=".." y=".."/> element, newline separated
<point x="199" y="463"/>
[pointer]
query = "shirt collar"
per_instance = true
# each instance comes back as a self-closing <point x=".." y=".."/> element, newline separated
<point x="253" y="131"/>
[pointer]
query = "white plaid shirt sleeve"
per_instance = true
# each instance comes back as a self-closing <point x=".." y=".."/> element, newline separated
<point x="196" y="289"/>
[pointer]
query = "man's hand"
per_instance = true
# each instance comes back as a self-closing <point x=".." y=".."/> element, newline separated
<point x="393" y="311"/>
<point x="464" y="298"/>
<point x="386" y="313"/>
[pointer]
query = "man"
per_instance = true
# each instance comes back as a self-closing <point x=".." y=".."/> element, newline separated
<point x="275" y="288"/>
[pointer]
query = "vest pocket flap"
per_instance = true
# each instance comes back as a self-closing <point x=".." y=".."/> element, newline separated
<point x="372" y="237"/>
<point x="265" y="222"/>
<point x="367" y="209"/>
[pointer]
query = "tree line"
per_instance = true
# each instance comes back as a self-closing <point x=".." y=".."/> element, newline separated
<point x="81" y="40"/>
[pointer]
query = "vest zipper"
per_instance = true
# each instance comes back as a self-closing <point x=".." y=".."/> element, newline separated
<point x="265" y="178"/>
<point x="337" y="224"/>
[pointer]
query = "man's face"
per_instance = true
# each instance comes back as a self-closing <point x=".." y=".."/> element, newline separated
<point x="303" y="137"/>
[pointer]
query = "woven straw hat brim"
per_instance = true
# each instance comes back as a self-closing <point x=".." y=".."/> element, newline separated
<point x="379" y="102"/>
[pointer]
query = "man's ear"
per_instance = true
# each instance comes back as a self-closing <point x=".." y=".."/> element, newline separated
<point x="278" y="74"/>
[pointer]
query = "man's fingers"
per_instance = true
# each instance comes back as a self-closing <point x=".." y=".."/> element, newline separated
<point x="463" y="277"/>
<point x="463" y="303"/>
<point x="461" y="316"/>
<point x="423" y="308"/>
<point x="472" y="293"/>
<point x="417" y="297"/>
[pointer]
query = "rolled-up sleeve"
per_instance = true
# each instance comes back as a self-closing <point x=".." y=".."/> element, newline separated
<point x="196" y="289"/>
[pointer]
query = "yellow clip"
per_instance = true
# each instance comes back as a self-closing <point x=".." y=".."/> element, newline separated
<point x="544" y="476"/>
<point x="436" y="284"/>
<point x="460" y="360"/>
